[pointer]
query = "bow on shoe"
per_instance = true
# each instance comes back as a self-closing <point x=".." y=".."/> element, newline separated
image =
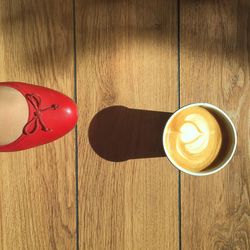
<point x="35" y="101"/>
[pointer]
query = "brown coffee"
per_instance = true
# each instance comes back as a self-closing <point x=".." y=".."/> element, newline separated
<point x="193" y="138"/>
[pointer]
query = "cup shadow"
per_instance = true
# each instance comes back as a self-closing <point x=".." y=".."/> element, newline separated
<point x="118" y="133"/>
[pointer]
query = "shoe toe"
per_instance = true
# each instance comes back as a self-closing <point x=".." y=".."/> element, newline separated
<point x="60" y="119"/>
<point x="51" y="116"/>
<point x="64" y="118"/>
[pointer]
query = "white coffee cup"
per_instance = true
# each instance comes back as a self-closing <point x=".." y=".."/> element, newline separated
<point x="230" y="132"/>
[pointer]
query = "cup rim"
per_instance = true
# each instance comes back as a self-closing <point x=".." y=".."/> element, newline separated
<point x="216" y="169"/>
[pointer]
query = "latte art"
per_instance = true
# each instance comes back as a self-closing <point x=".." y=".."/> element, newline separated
<point x="193" y="138"/>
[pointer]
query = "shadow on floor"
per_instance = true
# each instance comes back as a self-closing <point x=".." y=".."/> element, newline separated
<point x="40" y="34"/>
<point x="118" y="133"/>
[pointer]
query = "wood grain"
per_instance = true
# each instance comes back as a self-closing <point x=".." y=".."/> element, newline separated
<point x="215" y="66"/>
<point x="126" y="55"/>
<point x="37" y="187"/>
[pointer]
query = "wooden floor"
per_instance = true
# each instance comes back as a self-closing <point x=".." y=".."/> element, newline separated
<point x="107" y="185"/>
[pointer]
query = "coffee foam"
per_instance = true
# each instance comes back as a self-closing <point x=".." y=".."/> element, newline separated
<point x="193" y="138"/>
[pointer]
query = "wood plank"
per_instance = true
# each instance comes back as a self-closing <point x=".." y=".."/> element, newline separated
<point x="215" y="66"/>
<point x="126" y="55"/>
<point x="37" y="187"/>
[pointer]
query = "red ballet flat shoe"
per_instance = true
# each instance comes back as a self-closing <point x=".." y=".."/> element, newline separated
<point x="51" y="115"/>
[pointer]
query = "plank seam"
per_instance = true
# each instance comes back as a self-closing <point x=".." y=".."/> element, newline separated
<point x="76" y="128"/>
<point x="179" y="105"/>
